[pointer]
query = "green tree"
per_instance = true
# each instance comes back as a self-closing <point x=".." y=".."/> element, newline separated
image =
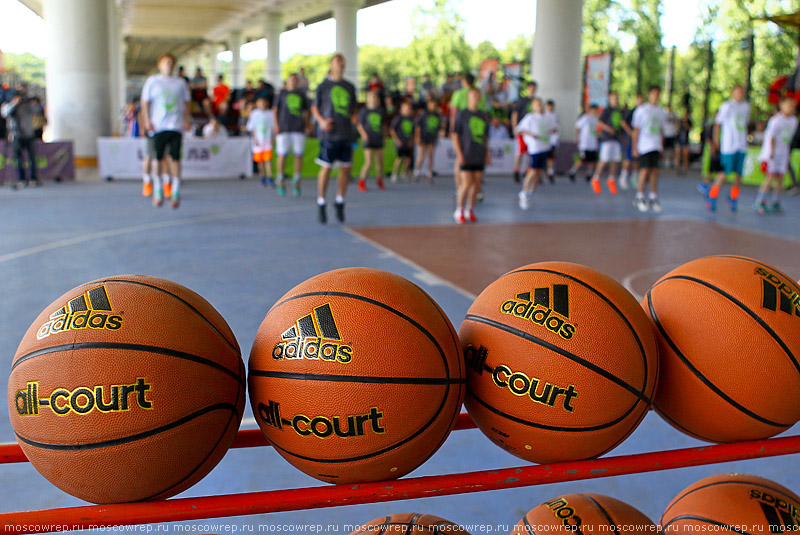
<point x="439" y="45"/>
<point x="485" y="50"/>
<point x="29" y="67"/>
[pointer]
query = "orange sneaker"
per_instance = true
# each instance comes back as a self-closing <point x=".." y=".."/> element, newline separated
<point x="596" y="186"/>
<point x="167" y="189"/>
<point x="612" y="186"/>
<point x="362" y="186"/>
<point x="147" y="189"/>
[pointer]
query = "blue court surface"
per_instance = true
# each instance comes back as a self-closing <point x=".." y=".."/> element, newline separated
<point x="241" y="247"/>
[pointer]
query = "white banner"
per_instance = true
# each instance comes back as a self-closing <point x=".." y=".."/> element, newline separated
<point x="121" y="157"/>
<point x="502" y="157"/>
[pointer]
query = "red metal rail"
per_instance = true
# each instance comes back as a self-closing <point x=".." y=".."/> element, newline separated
<point x="403" y="489"/>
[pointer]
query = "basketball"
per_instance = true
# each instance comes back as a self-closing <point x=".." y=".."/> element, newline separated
<point x="408" y="523"/>
<point x="356" y="375"/>
<point x="737" y="502"/>
<point x="561" y="362"/>
<point x="590" y="514"/>
<point x="728" y="331"/>
<point x="127" y="388"/>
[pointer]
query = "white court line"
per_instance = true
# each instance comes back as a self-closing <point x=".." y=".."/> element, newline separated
<point x="629" y="279"/>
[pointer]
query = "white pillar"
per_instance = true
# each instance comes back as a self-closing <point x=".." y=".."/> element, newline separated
<point x="556" y="58"/>
<point x="237" y="70"/>
<point x="273" y="27"/>
<point x="213" y="65"/>
<point x="77" y="72"/>
<point x="346" y="13"/>
<point x="116" y="51"/>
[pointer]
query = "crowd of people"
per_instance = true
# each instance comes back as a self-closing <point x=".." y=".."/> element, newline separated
<point x="22" y="122"/>
<point x="619" y="147"/>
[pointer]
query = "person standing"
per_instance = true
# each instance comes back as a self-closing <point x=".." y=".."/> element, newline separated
<point x="670" y="136"/>
<point x="538" y="131"/>
<point x="610" y="145"/>
<point x="166" y="115"/>
<point x="291" y="111"/>
<point x="334" y="110"/>
<point x="586" y="132"/>
<point x="372" y="129"/>
<point x="682" y="144"/>
<point x="402" y="132"/>
<point x="648" y="144"/>
<point x="470" y="141"/>
<point x="261" y="125"/>
<point x="221" y="94"/>
<point x="730" y="136"/>
<point x="775" y="153"/>
<point x="630" y="168"/>
<point x="521" y="109"/>
<point x="430" y="127"/>
<point x="19" y="114"/>
<point x="551" y="115"/>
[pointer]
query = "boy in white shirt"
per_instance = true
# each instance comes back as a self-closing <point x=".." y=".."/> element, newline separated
<point x="775" y="153"/>
<point x="536" y="130"/>
<point x="551" y="115"/>
<point x="261" y="125"/>
<point x="730" y="137"/>
<point x="648" y="144"/>
<point x="588" y="144"/>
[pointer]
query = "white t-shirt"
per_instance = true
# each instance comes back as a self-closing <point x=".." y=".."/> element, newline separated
<point x="671" y="125"/>
<point x="261" y="123"/>
<point x="781" y="128"/>
<point x="649" y="120"/>
<point x="167" y="96"/>
<point x="541" y="127"/>
<point x="733" y="118"/>
<point x="208" y="131"/>
<point x="553" y="118"/>
<point x="587" y="124"/>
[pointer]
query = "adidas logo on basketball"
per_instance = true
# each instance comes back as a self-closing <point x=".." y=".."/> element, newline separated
<point x="90" y="310"/>
<point x="538" y="310"/>
<point x="314" y="336"/>
<point x="778" y="295"/>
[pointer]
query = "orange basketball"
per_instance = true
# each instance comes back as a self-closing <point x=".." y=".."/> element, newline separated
<point x="733" y="502"/>
<point x="356" y="375"/>
<point x="409" y="523"/>
<point x="126" y="388"/>
<point x="728" y="331"/>
<point x="561" y="362"/>
<point x="589" y="514"/>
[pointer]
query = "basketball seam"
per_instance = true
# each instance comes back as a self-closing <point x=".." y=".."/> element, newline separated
<point x="604" y="298"/>
<point x="551" y="427"/>
<point x="563" y="352"/>
<point x="527" y="525"/>
<point x="128" y="347"/>
<point x="726" y="482"/>
<point x="233" y="345"/>
<point x="420" y="381"/>
<point x="672" y="422"/>
<point x="603" y="512"/>
<point x="703" y="378"/>
<point x="449" y="325"/>
<point x="706" y="521"/>
<point x="745" y="308"/>
<point x="762" y="264"/>
<point x="129" y="438"/>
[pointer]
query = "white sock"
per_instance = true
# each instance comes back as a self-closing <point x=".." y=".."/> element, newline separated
<point x="623" y="175"/>
<point x="551" y="171"/>
<point x="639" y="195"/>
<point x="653" y="196"/>
<point x="146" y="178"/>
<point x="339" y="199"/>
<point x="176" y="183"/>
<point x="166" y="179"/>
<point x="321" y="201"/>
<point x="156" y="182"/>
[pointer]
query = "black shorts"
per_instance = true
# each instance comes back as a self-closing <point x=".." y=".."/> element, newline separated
<point x="373" y="146"/>
<point x="539" y="160"/>
<point x="715" y="164"/>
<point x="589" y="156"/>
<point x="168" y="140"/>
<point x="669" y="142"/>
<point x="335" y="152"/>
<point x="551" y="153"/>
<point x="650" y="160"/>
<point x="428" y="141"/>
<point x="473" y="167"/>
<point x="405" y="152"/>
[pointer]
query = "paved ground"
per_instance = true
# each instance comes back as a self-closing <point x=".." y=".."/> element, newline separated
<point x="242" y="247"/>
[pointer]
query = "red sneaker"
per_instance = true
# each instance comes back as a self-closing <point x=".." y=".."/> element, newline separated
<point x="470" y="215"/>
<point x="362" y="186"/>
<point x="380" y="185"/>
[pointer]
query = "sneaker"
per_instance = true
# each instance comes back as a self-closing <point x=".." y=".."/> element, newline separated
<point x="264" y="181"/>
<point x="655" y="206"/>
<point x="623" y="182"/>
<point x="416" y="175"/>
<point x="551" y="177"/>
<point x="524" y="200"/>
<point x="168" y="189"/>
<point x="281" y="189"/>
<point x="702" y="189"/>
<point x="572" y="177"/>
<point x="158" y="196"/>
<point x="296" y="186"/>
<point x="734" y="203"/>
<point x="429" y="176"/>
<point x="641" y="204"/>
<point x="776" y="208"/>
<point x="147" y="189"/>
<point x="596" y="186"/>
<point x="711" y="204"/>
<point x="612" y="186"/>
<point x="380" y="184"/>
<point x="362" y="186"/>
<point x="339" y="211"/>
<point x="458" y="217"/>
<point x="393" y="178"/>
<point x="470" y="216"/>
<point x="760" y="208"/>
<point x="479" y="197"/>
<point x="322" y="214"/>
<point x="271" y="182"/>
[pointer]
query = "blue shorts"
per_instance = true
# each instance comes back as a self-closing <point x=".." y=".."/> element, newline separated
<point x="332" y="153"/>
<point x="539" y="160"/>
<point x="733" y="163"/>
<point x="629" y="151"/>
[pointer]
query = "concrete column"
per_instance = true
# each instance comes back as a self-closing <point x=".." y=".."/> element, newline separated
<point x="116" y="51"/>
<point x="237" y="69"/>
<point x="77" y="72"/>
<point x="346" y="12"/>
<point x="556" y="58"/>
<point x="273" y="27"/>
<point x="213" y="65"/>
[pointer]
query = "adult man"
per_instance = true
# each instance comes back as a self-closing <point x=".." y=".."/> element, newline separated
<point x="19" y="113"/>
<point x="291" y="112"/>
<point x="166" y="114"/>
<point x="730" y="138"/>
<point x="335" y="112"/>
<point x="458" y="102"/>
<point x="520" y="110"/>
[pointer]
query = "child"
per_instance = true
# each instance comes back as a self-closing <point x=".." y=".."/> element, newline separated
<point x="730" y="136"/>
<point x="610" y="145"/>
<point x="775" y="153"/>
<point x="470" y="141"/>
<point x="715" y="165"/>
<point x="629" y="166"/>
<point x="372" y="130"/>
<point x="552" y="116"/>
<point x="537" y="130"/>
<point x="586" y="132"/>
<point x="497" y="130"/>
<point x="429" y="127"/>
<point x="648" y="144"/>
<point x="402" y="130"/>
<point x="261" y="125"/>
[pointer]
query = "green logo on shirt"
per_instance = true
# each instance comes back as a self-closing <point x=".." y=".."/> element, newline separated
<point x="654" y="126"/>
<point x="616" y="120"/>
<point x="741" y="122"/>
<point x="294" y="103"/>
<point x="374" y="120"/>
<point x="170" y="101"/>
<point x="407" y="126"/>
<point x="341" y="100"/>
<point x="477" y="128"/>
<point x="786" y="136"/>
<point x="433" y="123"/>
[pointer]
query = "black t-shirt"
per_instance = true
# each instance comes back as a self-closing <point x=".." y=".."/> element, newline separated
<point x="523" y="107"/>
<point x="472" y="128"/>
<point x="627" y="116"/>
<point x="613" y="118"/>
<point x="371" y="120"/>
<point x="290" y="107"/>
<point x="337" y="101"/>
<point x="403" y="127"/>
<point x="429" y="126"/>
